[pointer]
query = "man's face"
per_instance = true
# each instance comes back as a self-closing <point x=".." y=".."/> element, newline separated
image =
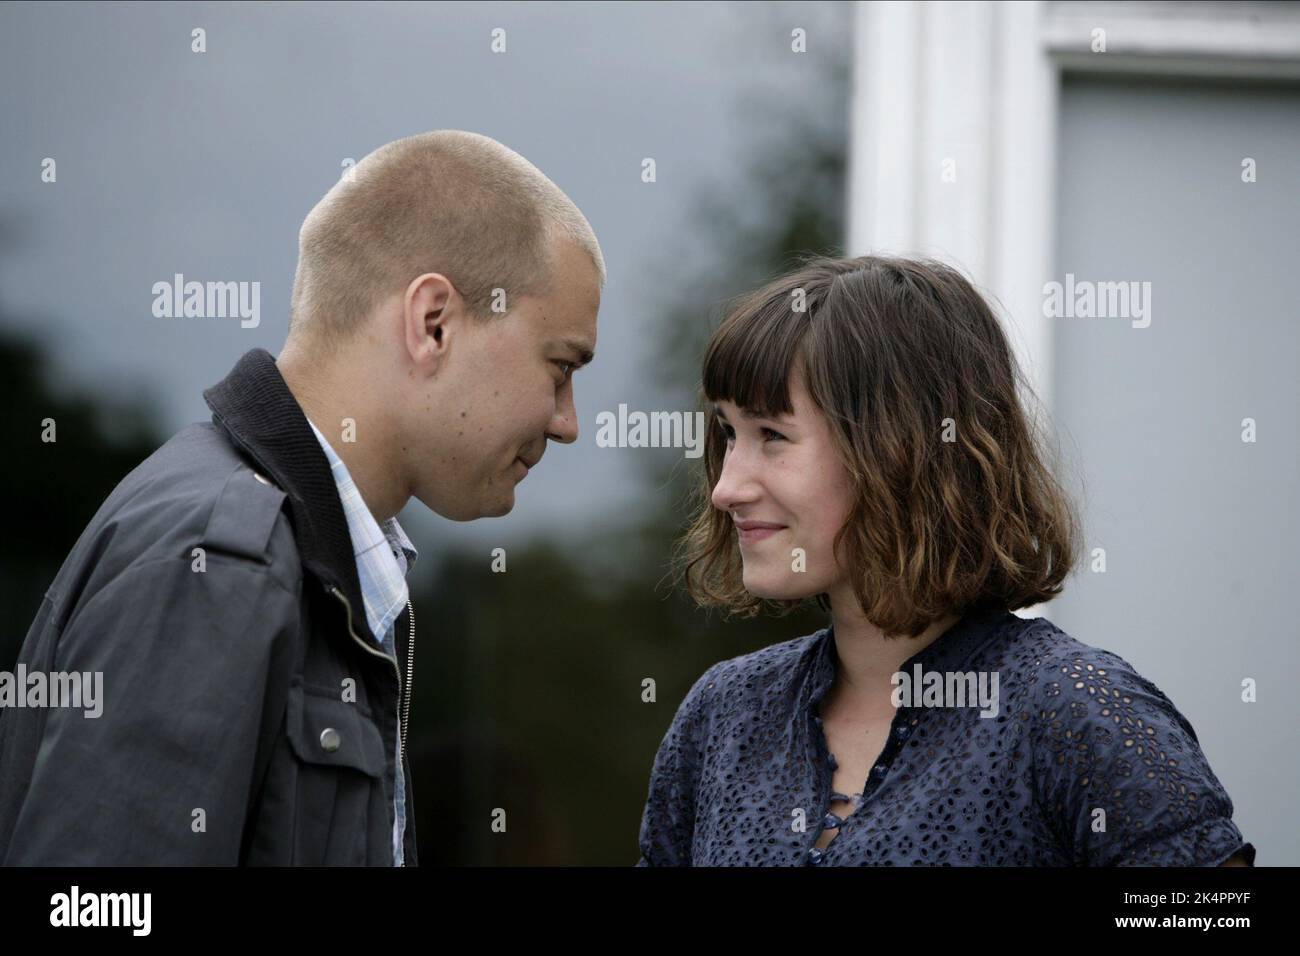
<point x="506" y="387"/>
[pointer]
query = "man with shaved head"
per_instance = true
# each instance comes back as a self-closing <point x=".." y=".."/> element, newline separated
<point x="243" y="590"/>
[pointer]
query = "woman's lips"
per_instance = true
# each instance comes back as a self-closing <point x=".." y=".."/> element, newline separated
<point x="756" y="534"/>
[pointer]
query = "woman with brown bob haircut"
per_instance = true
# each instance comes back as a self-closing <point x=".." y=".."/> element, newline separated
<point x="869" y="450"/>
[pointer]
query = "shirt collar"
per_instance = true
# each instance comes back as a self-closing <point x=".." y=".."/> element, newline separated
<point x="384" y="555"/>
<point x="949" y="651"/>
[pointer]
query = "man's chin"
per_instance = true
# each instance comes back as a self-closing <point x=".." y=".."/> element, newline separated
<point x="472" y="512"/>
<point x="502" y="508"/>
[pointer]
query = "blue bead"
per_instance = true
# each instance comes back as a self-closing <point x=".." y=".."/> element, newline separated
<point x="814" y="856"/>
<point x="831" y="822"/>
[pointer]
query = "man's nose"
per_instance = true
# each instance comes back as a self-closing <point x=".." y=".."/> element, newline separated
<point x="564" y="424"/>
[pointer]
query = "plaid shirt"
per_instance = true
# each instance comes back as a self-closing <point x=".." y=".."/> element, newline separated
<point x="384" y="556"/>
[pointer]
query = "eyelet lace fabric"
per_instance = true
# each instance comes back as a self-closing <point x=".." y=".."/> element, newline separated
<point x="1086" y="763"/>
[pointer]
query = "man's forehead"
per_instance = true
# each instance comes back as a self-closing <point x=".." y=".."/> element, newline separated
<point x="569" y="307"/>
<point x="571" y="330"/>
<point x="559" y="327"/>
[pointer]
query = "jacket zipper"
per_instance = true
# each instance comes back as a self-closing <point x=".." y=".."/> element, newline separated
<point x="369" y="648"/>
<point x="410" y="678"/>
<point x="410" y="674"/>
<point x="404" y="715"/>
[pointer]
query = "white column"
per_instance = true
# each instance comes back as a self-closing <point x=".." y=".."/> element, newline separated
<point x="969" y="83"/>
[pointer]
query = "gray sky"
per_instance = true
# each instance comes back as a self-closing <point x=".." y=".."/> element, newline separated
<point x="205" y="164"/>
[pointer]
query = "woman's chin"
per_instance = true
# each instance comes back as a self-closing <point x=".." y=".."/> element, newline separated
<point x="776" y="587"/>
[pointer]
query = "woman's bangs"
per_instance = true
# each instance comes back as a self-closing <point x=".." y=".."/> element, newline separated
<point x="750" y="359"/>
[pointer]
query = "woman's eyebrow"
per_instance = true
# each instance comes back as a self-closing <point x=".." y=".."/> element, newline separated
<point x="748" y="413"/>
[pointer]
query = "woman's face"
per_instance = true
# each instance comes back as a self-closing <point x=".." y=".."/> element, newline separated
<point x="785" y="488"/>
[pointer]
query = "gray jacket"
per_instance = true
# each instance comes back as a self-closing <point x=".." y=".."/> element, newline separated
<point x="248" y="716"/>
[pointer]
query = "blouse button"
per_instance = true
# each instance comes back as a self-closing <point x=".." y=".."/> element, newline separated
<point x="815" y="856"/>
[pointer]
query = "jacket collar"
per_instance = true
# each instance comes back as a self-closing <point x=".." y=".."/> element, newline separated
<point x="254" y="406"/>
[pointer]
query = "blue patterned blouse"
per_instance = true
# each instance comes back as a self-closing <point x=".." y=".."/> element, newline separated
<point x="1086" y="763"/>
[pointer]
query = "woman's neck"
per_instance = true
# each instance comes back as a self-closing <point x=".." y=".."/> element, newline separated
<point x="867" y="659"/>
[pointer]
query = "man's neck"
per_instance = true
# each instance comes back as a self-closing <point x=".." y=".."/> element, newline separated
<point x="362" y="443"/>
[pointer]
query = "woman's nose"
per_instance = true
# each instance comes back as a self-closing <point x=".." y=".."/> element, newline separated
<point x="736" y="485"/>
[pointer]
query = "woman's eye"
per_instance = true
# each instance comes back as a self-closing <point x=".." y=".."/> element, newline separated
<point x="768" y="434"/>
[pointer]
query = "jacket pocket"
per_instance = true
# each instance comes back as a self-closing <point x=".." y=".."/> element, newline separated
<point x="339" y="811"/>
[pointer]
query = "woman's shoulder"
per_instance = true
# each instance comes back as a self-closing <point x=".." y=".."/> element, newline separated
<point x="1054" y="663"/>
<point x="740" y="685"/>
<point x="775" y="667"/>
<point x="1039" y="637"/>
<point x="1117" y="765"/>
<point x="746" y="682"/>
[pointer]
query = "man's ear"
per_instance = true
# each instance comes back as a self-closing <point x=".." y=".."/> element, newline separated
<point x="430" y="310"/>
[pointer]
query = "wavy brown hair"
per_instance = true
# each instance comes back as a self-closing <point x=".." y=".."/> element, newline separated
<point x="956" y="508"/>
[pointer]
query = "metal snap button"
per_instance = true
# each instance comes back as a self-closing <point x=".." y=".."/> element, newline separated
<point x="329" y="740"/>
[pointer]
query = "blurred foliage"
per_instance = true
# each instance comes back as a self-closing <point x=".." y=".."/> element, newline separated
<point x="540" y="713"/>
<point x="54" y="488"/>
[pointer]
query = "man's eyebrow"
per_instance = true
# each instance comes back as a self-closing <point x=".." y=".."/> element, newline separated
<point x="577" y="345"/>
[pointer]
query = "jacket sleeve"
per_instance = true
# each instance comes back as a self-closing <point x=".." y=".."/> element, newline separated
<point x="1121" y="774"/>
<point x="163" y="774"/>
<point x="668" y="821"/>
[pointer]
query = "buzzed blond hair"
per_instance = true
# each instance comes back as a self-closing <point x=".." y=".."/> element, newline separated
<point x="446" y="201"/>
